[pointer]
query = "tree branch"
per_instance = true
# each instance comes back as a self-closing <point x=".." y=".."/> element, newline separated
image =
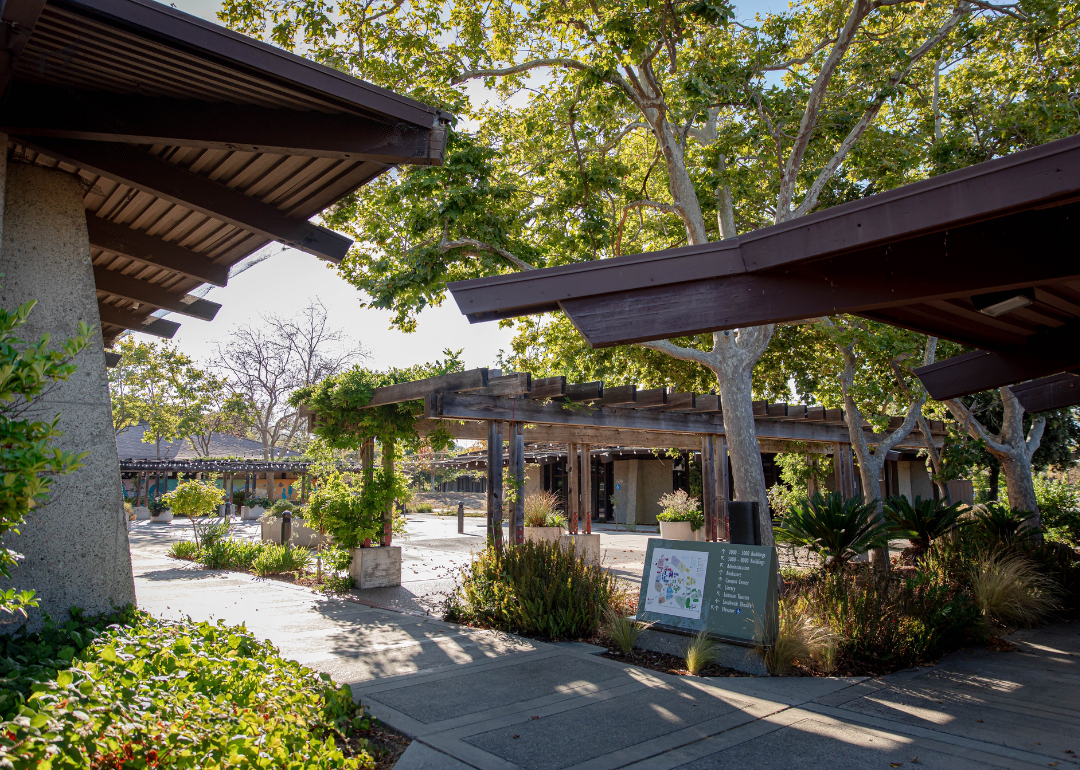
<point x="868" y="116"/>
<point x="685" y="354"/>
<point x="671" y="209"/>
<point x="519" y="68"/>
<point x="471" y="243"/>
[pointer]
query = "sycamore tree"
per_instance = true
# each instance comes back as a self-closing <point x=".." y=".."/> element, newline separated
<point x="631" y="126"/>
<point x="159" y="386"/>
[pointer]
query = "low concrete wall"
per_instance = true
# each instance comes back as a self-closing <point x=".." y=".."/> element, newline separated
<point x="76" y="547"/>
<point x="731" y="655"/>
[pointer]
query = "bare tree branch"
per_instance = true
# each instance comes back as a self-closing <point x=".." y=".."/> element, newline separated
<point x="671" y="209"/>
<point x="676" y="351"/>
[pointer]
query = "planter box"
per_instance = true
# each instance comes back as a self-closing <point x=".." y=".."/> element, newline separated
<point x="584" y="545"/>
<point x="162" y="518"/>
<point x="543" y="534"/>
<point x="680" y="530"/>
<point x="142" y="513"/>
<point x="376" y="567"/>
<point x="251" y="514"/>
<point x="303" y="537"/>
<point x="271" y="530"/>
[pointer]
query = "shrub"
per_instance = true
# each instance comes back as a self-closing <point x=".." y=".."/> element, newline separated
<point x="538" y="589"/>
<point x="280" y="506"/>
<point x="348" y="517"/>
<point x="700" y="652"/>
<point x="231" y="554"/>
<point x="275" y="559"/>
<point x="336" y="584"/>
<point x="923" y="521"/>
<point x="542" y="510"/>
<point x="1002" y="527"/>
<point x="887" y="623"/>
<point x="184" y="549"/>
<point x="258" y="502"/>
<point x="29" y="659"/>
<point x="1059" y="507"/>
<point x="622" y="630"/>
<point x="239" y="703"/>
<point x="1009" y="589"/>
<point x="424" y="508"/>
<point x="211" y="532"/>
<point x="679" y="506"/>
<point x="834" y="528"/>
<point x="337" y="559"/>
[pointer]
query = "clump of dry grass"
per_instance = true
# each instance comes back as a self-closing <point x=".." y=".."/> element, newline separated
<point x="700" y="653"/>
<point x="1010" y="589"/>
<point x="542" y="510"/>
<point x="622" y="630"/>
<point x="801" y="637"/>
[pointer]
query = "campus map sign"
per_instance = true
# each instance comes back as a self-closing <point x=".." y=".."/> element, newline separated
<point x="729" y="590"/>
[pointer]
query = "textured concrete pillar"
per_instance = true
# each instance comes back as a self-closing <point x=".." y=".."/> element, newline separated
<point x="76" y="547"/>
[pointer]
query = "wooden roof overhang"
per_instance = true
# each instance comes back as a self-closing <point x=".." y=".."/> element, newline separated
<point x="985" y="256"/>
<point x="197" y="145"/>
<point x="590" y="413"/>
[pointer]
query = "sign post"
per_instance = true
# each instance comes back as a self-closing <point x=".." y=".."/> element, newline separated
<point x="729" y="590"/>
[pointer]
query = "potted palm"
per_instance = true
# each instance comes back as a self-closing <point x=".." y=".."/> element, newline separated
<point x="681" y="518"/>
<point x="544" y="522"/>
<point x="194" y="499"/>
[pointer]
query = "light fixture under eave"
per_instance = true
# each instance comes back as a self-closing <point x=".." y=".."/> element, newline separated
<point x="999" y="303"/>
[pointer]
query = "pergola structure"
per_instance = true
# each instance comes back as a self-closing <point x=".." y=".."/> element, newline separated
<point x="515" y="409"/>
<point x="146" y="152"/>
<point x="145" y="470"/>
<point x="984" y="256"/>
<point x="196" y="146"/>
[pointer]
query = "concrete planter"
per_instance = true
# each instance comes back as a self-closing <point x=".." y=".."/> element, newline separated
<point x="271" y="530"/>
<point x="376" y="567"/>
<point x="142" y="513"/>
<point x="543" y="534"/>
<point x="680" y="530"/>
<point x="584" y="545"/>
<point x="162" y="518"/>
<point x="252" y="514"/>
<point x="303" y="537"/>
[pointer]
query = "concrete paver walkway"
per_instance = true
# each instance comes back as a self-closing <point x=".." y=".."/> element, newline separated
<point x="481" y="699"/>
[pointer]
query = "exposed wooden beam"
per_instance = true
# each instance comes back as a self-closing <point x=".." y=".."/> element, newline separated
<point x="111" y="359"/>
<point x="143" y="171"/>
<point x="17" y="21"/>
<point x="1056" y="392"/>
<point x="120" y="285"/>
<point x="707" y="403"/>
<point x="158" y="327"/>
<point x="647" y="399"/>
<point x="620" y="394"/>
<point x="474" y="379"/>
<point x="585" y="391"/>
<point x="70" y="113"/>
<point x="134" y="244"/>
<point x="547" y="387"/>
<point x="517" y="384"/>
<point x="683" y="402"/>
<point x="1047" y="352"/>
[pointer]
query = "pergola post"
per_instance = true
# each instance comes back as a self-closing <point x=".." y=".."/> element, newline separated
<point x="586" y="487"/>
<point x="495" y="482"/>
<point x="367" y="465"/>
<point x="720" y="478"/>
<point x="708" y="486"/>
<point x="573" y="488"/>
<point x="838" y="468"/>
<point x="388" y="514"/>
<point x="517" y="469"/>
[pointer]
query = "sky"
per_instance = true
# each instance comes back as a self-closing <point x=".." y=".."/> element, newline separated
<point x="287" y="281"/>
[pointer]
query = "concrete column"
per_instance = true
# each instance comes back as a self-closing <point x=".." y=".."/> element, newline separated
<point x="76" y="547"/>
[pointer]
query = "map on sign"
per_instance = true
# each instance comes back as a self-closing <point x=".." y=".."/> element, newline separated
<point x="677" y="582"/>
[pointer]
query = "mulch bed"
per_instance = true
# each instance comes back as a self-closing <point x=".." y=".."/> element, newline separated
<point x="386" y="745"/>
<point x="667" y="664"/>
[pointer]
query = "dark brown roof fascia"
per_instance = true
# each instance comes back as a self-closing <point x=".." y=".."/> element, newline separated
<point x="212" y="40"/>
<point x="1045" y="175"/>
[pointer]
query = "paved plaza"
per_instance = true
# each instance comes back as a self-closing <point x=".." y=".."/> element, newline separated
<point x="487" y="700"/>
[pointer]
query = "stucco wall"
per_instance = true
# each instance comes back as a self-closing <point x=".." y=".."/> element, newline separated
<point x="534" y="479"/>
<point x="913" y="480"/>
<point x="76" y="547"/>
<point x="638" y="487"/>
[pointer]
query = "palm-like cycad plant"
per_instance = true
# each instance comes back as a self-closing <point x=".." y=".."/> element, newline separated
<point x="834" y="528"/>
<point x="923" y="521"/>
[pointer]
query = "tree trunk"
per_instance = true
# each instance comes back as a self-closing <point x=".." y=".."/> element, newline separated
<point x="737" y="403"/>
<point x="1011" y="447"/>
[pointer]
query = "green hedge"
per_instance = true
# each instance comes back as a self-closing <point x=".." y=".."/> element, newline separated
<point x="183" y="695"/>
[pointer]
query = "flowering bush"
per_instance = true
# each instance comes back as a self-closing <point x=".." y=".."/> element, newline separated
<point x="679" y="506"/>
<point x="183" y="695"/>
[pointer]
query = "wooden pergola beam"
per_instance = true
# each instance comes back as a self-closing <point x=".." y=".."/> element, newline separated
<point x="145" y="293"/>
<point x="135" y="244"/>
<point x="158" y="327"/>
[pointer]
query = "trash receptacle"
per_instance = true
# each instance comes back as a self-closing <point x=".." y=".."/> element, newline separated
<point x="743" y="522"/>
